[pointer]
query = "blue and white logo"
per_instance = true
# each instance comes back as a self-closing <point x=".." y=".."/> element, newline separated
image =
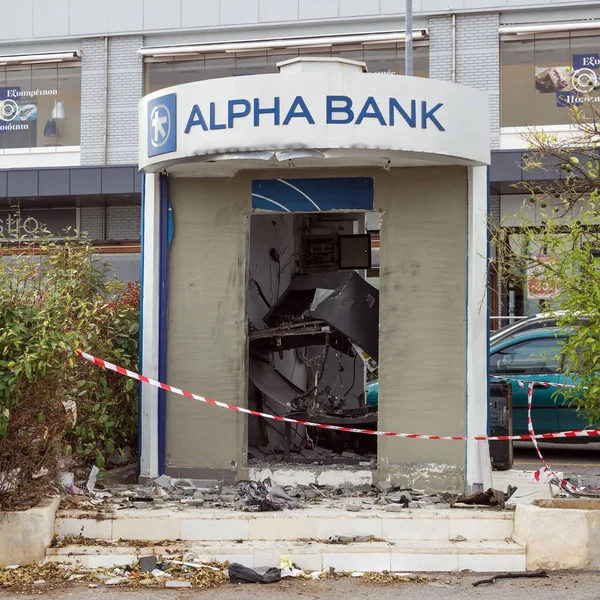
<point x="162" y="125"/>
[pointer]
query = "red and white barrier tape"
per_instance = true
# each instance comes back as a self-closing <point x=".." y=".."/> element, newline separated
<point x="421" y="436"/>
<point x="545" y="470"/>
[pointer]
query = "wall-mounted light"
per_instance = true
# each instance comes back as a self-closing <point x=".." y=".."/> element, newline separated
<point x="59" y="112"/>
<point x="50" y="128"/>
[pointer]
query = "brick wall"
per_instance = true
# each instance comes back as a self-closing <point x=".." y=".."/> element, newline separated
<point x="123" y="222"/>
<point x="92" y="101"/>
<point x="440" y="48"/>
<point x="495" y="209"/>
<point x="90" y="221"/>
<point x="125" y="88"/>
<point x="477" y="58"/>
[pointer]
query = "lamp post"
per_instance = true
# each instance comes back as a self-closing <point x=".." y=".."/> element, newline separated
<point x="408" y="67"/>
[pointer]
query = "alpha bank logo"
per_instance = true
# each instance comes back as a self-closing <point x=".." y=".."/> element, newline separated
<point x="162" y="125"/>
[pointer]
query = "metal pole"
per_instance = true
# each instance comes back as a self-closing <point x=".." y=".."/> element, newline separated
<point x="408" y="69"/>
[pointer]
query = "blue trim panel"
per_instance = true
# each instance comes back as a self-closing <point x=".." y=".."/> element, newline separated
<point x="162" y="321"/>
<point x="487" y="333"/>
<point x="141" y="333"/>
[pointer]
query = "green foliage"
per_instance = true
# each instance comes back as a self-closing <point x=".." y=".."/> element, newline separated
<point x="55" y="298"/>
<point x="557" y="243"/>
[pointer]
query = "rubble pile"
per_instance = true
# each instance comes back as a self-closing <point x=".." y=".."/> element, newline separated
<point x="166" y="571"/>
<point x="183" y="571"/>
<point x="250" y="496"/>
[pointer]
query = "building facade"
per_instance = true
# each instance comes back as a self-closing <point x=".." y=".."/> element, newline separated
<point x="72" y="74"/>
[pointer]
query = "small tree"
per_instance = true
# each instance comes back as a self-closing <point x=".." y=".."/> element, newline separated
<point x="556" y="248"/>
<point x="55" y="297"/>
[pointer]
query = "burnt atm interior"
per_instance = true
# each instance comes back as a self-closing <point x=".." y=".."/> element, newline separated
<point x="313" y="331"/>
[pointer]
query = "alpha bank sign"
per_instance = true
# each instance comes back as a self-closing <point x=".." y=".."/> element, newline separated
<point x="338" y="110"/>
<point x="358" y="113"/>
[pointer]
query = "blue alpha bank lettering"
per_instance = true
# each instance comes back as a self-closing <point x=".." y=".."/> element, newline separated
<point x="339" y="110"/>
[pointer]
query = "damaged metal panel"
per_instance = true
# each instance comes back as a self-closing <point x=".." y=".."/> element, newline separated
<point x="272" y="383"/>
<point x="352" y="307"/>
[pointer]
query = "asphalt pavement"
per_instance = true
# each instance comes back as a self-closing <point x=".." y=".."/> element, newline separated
<point x="576" y="461"/>
<point x="583" y="586"/>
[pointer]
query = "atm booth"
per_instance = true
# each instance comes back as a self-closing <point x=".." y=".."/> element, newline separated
<point x="305" y="234"/>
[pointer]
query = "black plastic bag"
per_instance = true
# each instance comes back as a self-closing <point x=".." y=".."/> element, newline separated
<point x="240" y="574"/>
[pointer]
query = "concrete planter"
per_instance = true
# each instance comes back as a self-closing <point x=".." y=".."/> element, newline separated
<point x="25" y="535"/>
<point x="562" y="533"/>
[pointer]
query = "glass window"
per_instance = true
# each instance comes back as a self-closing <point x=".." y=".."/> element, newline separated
<point x="40" y="105"/>
<point x="247" y="64"/>
<point x="516" y="83"/>
<point x="534" y="357"/>
<point x="216" y="68"/>
<point x="273" y="58"/>
<point x="380" y="58"/>
<point x="542" y="76"/>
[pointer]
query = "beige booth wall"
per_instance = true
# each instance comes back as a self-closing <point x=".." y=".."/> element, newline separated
<point x="423" y="287"/>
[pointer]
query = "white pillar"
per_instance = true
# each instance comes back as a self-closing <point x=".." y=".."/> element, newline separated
<point x="478" y="458"/>
<point x="150" y="298"/>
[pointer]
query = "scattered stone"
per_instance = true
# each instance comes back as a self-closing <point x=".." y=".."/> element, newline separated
<point x="164" y="481"/>
<point x="178" y="584"/>
<point x="39" y="582"/>
<point x="384" y="487"/>
<point x="135" y="504"/>
<point x="341" y="539"/>
<point x="394" y="508"/>
<point x="159" y="573"/>
<point x="147" y="564"/>
<point x="353" y="507"/>
<point x="195" y="502"/>
<point x="351" y="455"/>
<point x="198" y="495"/>
<point x="459" y="538"/>
<point x="93" y="585"/>
<point x="158" y="501"/>
<point x="363" y="539"/>
<point x="365" y="488"/>
<point x="416" y="504"/>
<point x="399" y="497"/>
<point x="116" y="581"/>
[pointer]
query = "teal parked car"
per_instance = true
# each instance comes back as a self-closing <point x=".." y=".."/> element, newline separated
<point x="531" y="356"/>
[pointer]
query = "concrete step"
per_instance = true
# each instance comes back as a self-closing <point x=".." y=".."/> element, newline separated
<point x="199" y="525"/>
<point x="409" y="556"/>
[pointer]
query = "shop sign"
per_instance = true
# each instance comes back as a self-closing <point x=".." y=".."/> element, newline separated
<point x="339" y="110"/>
<point x="573" y="85"/>
<point x="541" y="285"/>
<point x="349" y="111"/>
<point x="18" y="108"/>
<point x="32" y="223"/>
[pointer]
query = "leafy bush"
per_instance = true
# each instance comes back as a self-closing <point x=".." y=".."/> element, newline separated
<point x="557" y="245"/>
<point x="55" y="297"/>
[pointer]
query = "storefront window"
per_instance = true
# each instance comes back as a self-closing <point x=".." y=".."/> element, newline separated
<point x="40" y="105"/>
<point x="380" y="58"/>
<point x="543" y="75"/>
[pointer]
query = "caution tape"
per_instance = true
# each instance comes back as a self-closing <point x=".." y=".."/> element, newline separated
<point x="420" y="436"/>
<point x="546" y="384"/>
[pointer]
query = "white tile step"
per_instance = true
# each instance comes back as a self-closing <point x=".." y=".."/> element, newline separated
<point x="221" y="526"/>
<point x="417" y="555"/>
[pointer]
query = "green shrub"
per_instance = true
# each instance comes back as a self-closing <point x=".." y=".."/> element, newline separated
<point x="55" y="297"/>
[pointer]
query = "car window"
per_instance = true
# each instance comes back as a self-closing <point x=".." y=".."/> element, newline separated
<point x="527" y="358"/>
